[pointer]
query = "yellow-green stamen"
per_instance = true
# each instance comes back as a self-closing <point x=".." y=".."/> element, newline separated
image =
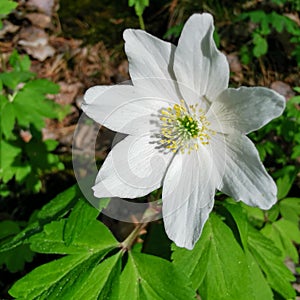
<point x="184" y="127"/>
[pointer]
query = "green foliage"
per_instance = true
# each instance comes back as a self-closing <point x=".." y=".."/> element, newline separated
<point x="174" y="31"/>
<point x="95" y="266"/>
<point x="232" y="260"/>
<point x="285" y="128"/>
<point x="266" y="23"/>
<point x="24" y="106"/>
<point x="15" y="259"/>
<point x="6" y="7"/>
<point x="240" y="254"/>
<point x="139" y="7"/>
<point x="216" y="260"/>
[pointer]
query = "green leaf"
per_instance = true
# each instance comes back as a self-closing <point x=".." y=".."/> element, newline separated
<point x="8" y="228"/>
<point x="93" y="238"/>
<point x="284" y="233"/>
<point x="149" y="277"/>
<point x="290" y="209"/>
<point x="268" y="258"/>
<point x="285" y="181"/>
<point x="51" y="144"/>
<point x="260" y="45"/>
<point x="273" y="213"/>
<point x="8" y="155"/>
<point x="6" y="6"/>
<point x="240" y="218"/>
<point x="13" y="78"/>
<point x="278" y="21"/>
<point x="65" y="277"/>
<point x="139" y="6"/>
<point x="217" y="265"/>
<point x="103" y="280"/>
<point x="81" y="216"/>
<point x="31" y="107"/>
<point x="18" y="62"/>
<point x="61" y="204"/>
<point x="14" y="259"/>
<point x="47" y="278"/>
<point x="42" y="86"/>
<point x="255" y="215"/>
<point x="174" y="31"/>
<point x="54" y="210"/>
<point x="260" y="287"/>
<point x="7" y="116"/>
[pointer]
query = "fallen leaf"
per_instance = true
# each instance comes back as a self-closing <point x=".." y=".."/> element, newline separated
<point x="35" y="42"/>
<point x="46" y="7"/>
<point x="39" y="20"/>
<point x="283" y="89"/>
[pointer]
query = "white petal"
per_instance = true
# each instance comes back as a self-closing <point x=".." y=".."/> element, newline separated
<point x="151" y="60"/>
<point x="198" y="63"/>
<point x="123" y="108"/>
<point x="245" y="177"/>
<point x="133" y="168"/>
<point x="245" y="109"/>
<point x="188" y="196"/>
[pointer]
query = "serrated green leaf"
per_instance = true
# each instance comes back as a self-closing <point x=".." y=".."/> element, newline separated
<point x="38" y="281"/>
<point x="278" y="21"/>
<point x="214" y="263"/>
<point x="93" y="238"/>
<point x="285" y="181"/>
<point x="64" y="278"/>
<point x="61" y="204"/>
<point x="13" y="78"/>
<point x="268" y="258"/>
<point x="55" y="209"/>
<point x="139" y="6"/>
<point x="14" y="259"/>
<point x="8" y="155"/>
<point x="260" y="287"/>
<point x="150" y="277"/>
<point x="273" y="213"/>
<point x="103" y="281"/>
<point x="290" y="209"/>
<point x="194" y="263"/>
<point x="81" y="216"/>
<point x="31" y="107"/>
<point x="42" y="86"/>
<point x="255" y="215"/>
<point x="283" y="233"/>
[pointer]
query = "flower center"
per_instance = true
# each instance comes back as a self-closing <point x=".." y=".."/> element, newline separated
<point x="184" y="127"/>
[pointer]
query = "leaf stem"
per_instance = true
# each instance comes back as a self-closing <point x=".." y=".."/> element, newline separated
<point x="142" y="24"/>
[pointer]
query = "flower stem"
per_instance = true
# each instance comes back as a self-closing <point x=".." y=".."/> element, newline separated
<point x="129" y="241"/>
<point x="148" y="215"/>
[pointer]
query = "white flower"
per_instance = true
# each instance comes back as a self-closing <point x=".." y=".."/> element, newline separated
<point x="186" y="130"/>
